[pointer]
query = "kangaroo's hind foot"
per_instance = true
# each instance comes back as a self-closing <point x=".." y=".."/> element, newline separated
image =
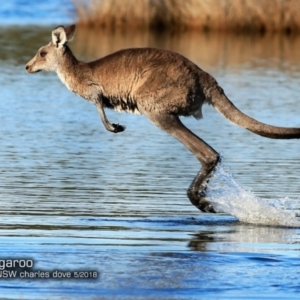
<point x="197" y="190"/>
<point x="204" y="204"/>
<point x="201" y="201"/>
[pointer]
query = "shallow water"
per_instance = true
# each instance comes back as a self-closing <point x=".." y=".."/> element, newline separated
<point x="77" y="198"/>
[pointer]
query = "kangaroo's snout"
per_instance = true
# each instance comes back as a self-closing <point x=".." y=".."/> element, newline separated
<point x="29" y="65"/>
<point x="30" y="68"/>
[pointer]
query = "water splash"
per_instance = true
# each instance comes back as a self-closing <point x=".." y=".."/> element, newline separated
<point x="229" y="197"/>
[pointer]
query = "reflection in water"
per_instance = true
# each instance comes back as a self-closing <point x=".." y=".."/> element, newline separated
<point x="212" y="51"/>
<point x="246" y="238"/>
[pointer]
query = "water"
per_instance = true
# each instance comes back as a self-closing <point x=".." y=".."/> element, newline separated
<point x="77" y="198"/>
<point x="248" y="208"/>
<point x="33" y="12"/>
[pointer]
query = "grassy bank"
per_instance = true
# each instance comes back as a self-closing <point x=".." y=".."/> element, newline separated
<point x="177" y="15"/>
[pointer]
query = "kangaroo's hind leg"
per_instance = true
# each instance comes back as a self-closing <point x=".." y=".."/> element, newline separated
<point x="207" y="156"/>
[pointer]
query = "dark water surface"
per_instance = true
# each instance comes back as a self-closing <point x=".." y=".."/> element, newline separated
<point x="78" y="198"/>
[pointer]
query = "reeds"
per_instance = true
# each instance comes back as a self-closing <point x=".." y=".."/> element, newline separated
<point x="178" y="15"/>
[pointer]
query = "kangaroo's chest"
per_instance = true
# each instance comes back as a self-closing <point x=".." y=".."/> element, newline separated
<point x="80" y="87"/>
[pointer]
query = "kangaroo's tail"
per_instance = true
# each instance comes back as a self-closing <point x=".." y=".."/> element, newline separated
<point x="234" y="115"/>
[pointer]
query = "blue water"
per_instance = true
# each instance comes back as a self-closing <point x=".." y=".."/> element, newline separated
<point x="35" y="12"/>
<point x="76" y="198"/>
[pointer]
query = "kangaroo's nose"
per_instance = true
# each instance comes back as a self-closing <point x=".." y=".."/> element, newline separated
<point x="27" y="67"/>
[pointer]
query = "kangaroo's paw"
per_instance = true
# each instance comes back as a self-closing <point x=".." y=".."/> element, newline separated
<point x="118" y="128"/>
<point x="200" y="200"/>
<point x="204" y="205"/>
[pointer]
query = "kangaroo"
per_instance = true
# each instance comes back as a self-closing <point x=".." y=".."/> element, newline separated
<point x="160" y="84"/>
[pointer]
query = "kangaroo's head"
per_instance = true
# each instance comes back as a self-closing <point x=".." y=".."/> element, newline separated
<point x="49" y="57"/>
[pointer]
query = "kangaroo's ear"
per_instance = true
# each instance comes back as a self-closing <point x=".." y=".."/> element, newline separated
<point x="61" y="35"/>
<point x="70" y="32"/>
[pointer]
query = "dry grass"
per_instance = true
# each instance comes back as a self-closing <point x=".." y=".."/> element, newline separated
<point x="178" y="15"/>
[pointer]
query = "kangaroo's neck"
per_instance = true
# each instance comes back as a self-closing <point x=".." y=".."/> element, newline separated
<point x="72" y="72"/>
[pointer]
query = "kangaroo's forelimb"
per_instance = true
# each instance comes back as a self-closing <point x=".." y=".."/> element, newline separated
<point x="112" y="127"/>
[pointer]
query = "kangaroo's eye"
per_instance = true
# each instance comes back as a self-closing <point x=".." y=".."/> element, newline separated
<point x="43" y="54"/>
